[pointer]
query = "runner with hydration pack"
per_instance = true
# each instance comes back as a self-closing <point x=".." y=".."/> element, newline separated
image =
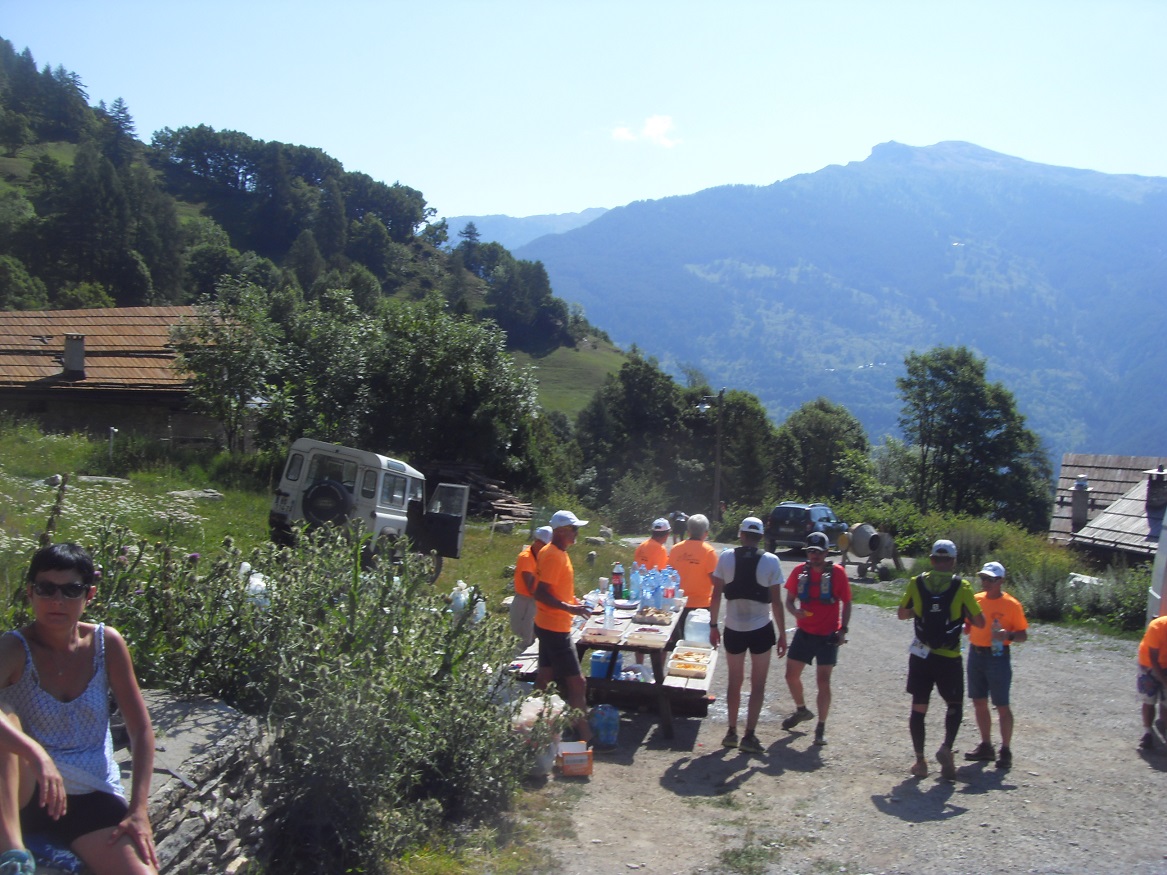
<point x="939" y="602"/>
<point x="823" y="610"/>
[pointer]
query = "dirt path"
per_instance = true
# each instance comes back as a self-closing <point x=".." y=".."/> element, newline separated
<point x="1080" y="797"/>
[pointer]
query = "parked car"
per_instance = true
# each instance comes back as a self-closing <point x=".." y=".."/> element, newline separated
<point x="329" y="484"/>
<point x="790" y="523"/>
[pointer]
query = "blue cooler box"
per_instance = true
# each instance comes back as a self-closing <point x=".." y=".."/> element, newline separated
<point x="600" y="660"/>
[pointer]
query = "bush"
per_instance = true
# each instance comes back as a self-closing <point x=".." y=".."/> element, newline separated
<point x="637" y="499"/>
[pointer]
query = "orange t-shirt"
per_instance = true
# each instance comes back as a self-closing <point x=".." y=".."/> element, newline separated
<point x="695" y="562"/>
<point x="652" y="555"/>
<point x="554" y="568"/>
<point x="525" y="562"/>
<point x="1156" y="637"/>
<point x="1006" y="609"/>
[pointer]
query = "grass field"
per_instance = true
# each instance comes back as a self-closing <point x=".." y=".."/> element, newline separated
<point x="568" y="378"/>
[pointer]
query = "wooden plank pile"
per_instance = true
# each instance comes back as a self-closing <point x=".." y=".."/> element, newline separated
<point x="489" y="498"/>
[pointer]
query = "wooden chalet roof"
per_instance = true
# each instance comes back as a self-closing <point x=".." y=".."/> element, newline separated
<point x="1111" y="479"/>
<point x="1127" y="525"/>
<point x="126" y="348"/>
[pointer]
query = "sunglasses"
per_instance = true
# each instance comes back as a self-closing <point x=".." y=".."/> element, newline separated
<point x="68" y="590"/>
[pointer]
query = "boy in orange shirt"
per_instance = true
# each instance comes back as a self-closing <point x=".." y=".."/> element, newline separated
<point x="1153" y="677"/>
<point x="989" y="673"/>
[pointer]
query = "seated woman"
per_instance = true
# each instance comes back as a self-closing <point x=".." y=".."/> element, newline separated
<point x="58" y="776"/>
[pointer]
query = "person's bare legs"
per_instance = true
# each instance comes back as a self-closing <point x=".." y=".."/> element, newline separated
<point x="120" y="858"/>
<point x="16" y="787"/>
<point x="823" y="679"/>
<point x="577" y="697"/>
<point x="1005" y="719"/>
<point x="794" y="670"/>
<point x="985" y="722"/>
<point x="759" y="669"/>
<point x="736" y="671"/>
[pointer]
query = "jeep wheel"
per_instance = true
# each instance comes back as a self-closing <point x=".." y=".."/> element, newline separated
<point x="327" y="502"/>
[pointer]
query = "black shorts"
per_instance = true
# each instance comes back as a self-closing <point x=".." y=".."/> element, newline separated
<point x="808" y="648"/>
<point x="755" y="641"/>
<point x="557" y="652"/>
<point x="84" y="813"/>
<point x="946" y="673"/>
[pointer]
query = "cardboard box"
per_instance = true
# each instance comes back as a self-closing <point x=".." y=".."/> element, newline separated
<point x="574" y="758"/>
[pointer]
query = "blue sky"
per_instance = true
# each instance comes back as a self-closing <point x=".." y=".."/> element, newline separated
<point x="524" y="108"/>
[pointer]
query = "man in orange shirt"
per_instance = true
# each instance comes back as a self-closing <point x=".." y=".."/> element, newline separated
<point x="652" y="553"/>
<point x="1153" y="678"/>
<point x="991" y="674"/>
<point x="555" y="608"/>
<point x="695" y="561"/>
<point x="522" y="612"/>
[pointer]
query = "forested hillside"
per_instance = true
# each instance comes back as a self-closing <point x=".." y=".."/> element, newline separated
<point x="822" y="283"/>
<point x="92" y="216"/>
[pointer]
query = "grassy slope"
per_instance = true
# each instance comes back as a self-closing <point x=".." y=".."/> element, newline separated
<point x="569" y="377"/>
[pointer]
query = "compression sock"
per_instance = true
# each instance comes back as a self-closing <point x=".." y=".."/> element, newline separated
<point x="952" y="719"/>
<point x="916" y="727"/>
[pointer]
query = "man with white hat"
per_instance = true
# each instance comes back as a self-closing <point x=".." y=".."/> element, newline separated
<point x="653" y="554"/>
<point x="751" y="581"/>
<point x="522" y="611"/>
<point x="990" y="672"/>
<point x="940" y="603"/>
<point x="555" y="607"/>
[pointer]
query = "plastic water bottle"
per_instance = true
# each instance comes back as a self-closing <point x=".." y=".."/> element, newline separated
<point x="998" y="646"/>
<point x="609" y="611"/>
<point x="634" y="582"/>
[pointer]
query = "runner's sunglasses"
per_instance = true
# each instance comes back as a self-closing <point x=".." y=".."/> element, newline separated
<point x="69" y="590"/>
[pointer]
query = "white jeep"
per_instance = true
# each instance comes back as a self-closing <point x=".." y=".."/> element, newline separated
<point x="327" y="484"/>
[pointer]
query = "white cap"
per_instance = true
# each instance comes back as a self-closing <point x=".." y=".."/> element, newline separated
<point x="752" y="524"/>
<point x="543" y="533"/>
<point x="992" y="569"/>
<point x="944" y="549"/>
<point x="660" y="524"/>
<point x="566" y="518"/>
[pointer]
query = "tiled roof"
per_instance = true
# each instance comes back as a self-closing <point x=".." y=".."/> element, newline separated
<point x="1127" y="525"/>
<point x="1110" y="478"/>
<point x="126" y="348"/>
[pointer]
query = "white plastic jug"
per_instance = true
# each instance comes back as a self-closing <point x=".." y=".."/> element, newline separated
<point x="697" y="626"/>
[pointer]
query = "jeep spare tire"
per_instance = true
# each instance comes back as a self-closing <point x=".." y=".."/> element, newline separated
<point x="327" y="503"/>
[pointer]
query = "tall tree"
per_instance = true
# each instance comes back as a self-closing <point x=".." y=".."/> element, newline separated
<point x="974" y="453"/>
<point x="821" y="433"/>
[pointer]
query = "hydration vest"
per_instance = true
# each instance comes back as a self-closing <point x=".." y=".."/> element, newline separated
<point x="826" y="593"/>
<point x="936" y="628"/>
<point x="745" y="576"/>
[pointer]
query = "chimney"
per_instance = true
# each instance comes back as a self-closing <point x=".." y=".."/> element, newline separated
<point x="1079" y="503"/>
<point x="1156" y="488"/>
<point x="74" y="363"/>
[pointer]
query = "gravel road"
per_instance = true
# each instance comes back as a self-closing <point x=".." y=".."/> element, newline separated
<point x="1080" y="797"/>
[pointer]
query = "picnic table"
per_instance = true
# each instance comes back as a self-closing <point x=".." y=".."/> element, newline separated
<point x="628" y="635"/>
<point x="688" y="691"/>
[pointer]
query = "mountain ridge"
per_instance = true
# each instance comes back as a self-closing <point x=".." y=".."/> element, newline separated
<point x="910" y="248"/>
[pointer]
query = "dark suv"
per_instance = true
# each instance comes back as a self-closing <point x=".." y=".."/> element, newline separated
<point x="790" y="523"/>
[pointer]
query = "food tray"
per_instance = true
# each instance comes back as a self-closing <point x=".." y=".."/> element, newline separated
<point x="599" y="635"/>
<point x="692" y="654"/>
<point x="653" y="617"/>
<point x="646" y="636"/>
<point x="678" y="668"/>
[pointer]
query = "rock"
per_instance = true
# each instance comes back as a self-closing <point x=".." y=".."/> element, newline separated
<point x="594" y="541"/>
<point x="592" y="557"/>
<point x="605" y="532"/>
<point x="198" y="494"/>
<point x="54" y="480"/>
<point x="505" y="527"/>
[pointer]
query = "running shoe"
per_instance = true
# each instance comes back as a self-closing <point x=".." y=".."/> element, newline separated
<point x="1005" y="758"/>
<point x="800" y="716"/>
<point x="820" y="735"/>
<point x="730" y="739"/>
<point x="983" y="752"/>
<point x="947" y="762"/>
<point x="750" y="744"/>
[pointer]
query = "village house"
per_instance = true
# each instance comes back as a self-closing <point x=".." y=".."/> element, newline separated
<point x="1110" y="504"/>
<point x="98" y="370"/>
